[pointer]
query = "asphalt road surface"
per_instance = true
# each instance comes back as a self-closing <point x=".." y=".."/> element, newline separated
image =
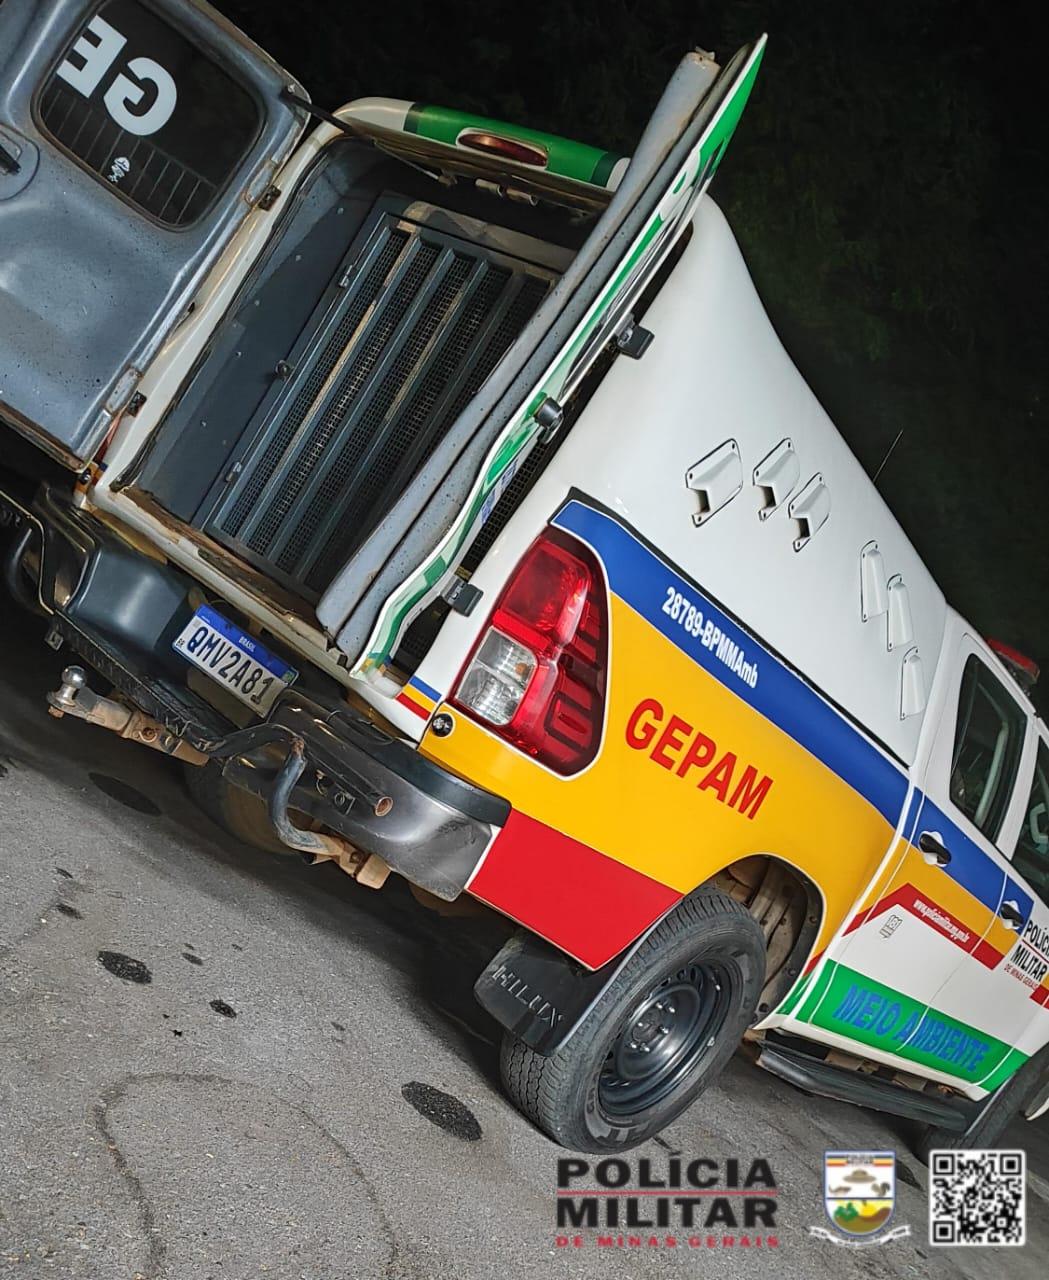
<point x="244" y="1112"/>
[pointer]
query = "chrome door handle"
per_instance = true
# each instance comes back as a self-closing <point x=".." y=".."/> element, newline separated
<point x="1013" y="918"/>
<point x="931" y="845"/>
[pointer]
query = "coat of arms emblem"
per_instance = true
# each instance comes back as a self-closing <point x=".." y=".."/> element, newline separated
<point x="859" y="1195"/>
<point x="859" y="1190"/>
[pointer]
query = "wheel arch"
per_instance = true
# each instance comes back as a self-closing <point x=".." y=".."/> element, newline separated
<point x="540" y="994"/>
<point x="790" y="907"/>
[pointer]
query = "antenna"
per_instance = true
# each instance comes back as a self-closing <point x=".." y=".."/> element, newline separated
<point x="874" y="479"/>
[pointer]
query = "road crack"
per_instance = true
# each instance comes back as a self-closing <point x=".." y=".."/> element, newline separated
<point x="156" y="1247"/>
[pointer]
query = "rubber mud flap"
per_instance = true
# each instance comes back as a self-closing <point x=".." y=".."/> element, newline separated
<point x="537" y="992"/>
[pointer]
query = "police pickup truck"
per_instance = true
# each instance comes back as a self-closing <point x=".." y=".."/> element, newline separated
<point x="438" y="492"/>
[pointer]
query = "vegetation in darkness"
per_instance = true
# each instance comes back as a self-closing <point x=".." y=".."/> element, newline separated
<point x="887" y="186"/>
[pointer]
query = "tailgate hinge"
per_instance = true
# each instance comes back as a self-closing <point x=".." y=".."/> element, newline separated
<point x="633" y="340"/>
<point x="549" y="417"/>
<point x="462" y="596"/>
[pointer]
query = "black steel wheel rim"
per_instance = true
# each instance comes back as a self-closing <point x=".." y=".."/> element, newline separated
<point x="664" y="1038"/>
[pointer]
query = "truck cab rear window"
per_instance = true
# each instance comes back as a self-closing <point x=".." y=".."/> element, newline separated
<point x="147" y="112"/>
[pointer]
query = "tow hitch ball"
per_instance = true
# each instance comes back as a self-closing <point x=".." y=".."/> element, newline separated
<point x="73" y="697"/>
<point x="73" y="680"/>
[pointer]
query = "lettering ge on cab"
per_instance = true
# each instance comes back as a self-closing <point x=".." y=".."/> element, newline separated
<point x="97" y="58"/>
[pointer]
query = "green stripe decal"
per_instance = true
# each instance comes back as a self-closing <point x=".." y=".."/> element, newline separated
<point x="520" y="432"/>
<point x="873" y="1014"/>
<point x="1011" y="1063"/>
<point x="568" y="159"/>
<point x="794" y="995"/>
<point x="603" y="168"/>
<point x="412" y="117"/>
<point x="816" y="993"/>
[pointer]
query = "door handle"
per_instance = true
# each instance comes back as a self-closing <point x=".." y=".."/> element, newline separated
<point x="934" y="849"/>
<point x="8" y="161"/>
<point x="1013" y="918"/>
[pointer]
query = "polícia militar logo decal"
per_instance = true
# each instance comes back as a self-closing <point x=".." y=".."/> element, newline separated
<point x="679" y="1203"/>
<point x="859" y="1195"/>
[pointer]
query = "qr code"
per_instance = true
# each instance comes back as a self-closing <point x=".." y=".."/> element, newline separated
<point x="976" y="1197"/>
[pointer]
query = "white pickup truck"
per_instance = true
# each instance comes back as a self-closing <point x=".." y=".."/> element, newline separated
<point x="439" y="493"/>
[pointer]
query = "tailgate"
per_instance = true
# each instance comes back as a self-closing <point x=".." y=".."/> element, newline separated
<point x="413" y="553"/>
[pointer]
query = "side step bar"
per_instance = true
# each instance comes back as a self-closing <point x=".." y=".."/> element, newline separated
<point x="830" y="1081"/>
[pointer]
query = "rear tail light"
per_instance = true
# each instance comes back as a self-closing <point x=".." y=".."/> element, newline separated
<point x="508" y="148"/>
<point x="537" y="675"/>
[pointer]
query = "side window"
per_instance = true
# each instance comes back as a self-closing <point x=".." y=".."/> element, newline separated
<point x="988" y="742"/>
<point x="1032" y="849"/>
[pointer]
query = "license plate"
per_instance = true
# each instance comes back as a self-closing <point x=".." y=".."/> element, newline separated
<point x="235" y="660"/>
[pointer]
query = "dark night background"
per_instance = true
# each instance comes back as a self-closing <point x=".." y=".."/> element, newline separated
<point x="887" y="186"/>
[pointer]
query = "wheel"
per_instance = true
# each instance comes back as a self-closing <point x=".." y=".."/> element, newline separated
<point x="658" y="1035"/>
<point x="996" y="1114"/>
<point x="237" y="811"/>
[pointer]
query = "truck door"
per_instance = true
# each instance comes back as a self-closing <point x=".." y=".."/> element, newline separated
<point x="1023" y="1001"/>
<point x="914" y="975"/>
<point x="969" y="819"/>
<point x="136" y="137"/>
<point x="1003" y="988"/>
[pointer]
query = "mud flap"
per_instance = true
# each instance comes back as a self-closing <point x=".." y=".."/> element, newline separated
<point x="538" y="993"/>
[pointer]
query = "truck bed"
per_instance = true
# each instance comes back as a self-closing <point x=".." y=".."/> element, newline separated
<point x="374" y="319"/>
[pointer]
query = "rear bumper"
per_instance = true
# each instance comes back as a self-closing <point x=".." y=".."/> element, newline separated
<point x="120" y="610"/>
<point x="377" y="791"/>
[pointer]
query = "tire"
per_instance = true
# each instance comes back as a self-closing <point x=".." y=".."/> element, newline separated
<point x="602" y="1091"/>
<point x="994" y="1117"/>
<point x="238" y="812"/>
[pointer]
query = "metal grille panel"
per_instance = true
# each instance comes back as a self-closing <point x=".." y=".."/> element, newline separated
<point x="393" y="359"/>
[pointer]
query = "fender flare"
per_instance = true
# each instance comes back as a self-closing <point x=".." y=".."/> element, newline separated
<point x="540" y="994"/>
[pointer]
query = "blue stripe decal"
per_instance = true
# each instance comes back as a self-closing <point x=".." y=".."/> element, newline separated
<point x="969" y="865"/>
<point x="429" y="690"/>
<point x="642" y="579"/>
<point x="1020" y="898"/>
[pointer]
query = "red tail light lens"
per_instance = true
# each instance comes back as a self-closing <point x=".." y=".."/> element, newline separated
<point x="537" y="674"/>
<point x="509" y="148"/>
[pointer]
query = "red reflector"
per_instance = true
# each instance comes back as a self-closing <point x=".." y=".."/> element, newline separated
<point x="509" y="148"/>
<point x="536" y="676"/>
<point x="1023" y="669"/>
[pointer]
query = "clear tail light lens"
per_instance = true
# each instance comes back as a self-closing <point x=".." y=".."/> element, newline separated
<point x="537" y="675"/>
<point x="497" y="678"/>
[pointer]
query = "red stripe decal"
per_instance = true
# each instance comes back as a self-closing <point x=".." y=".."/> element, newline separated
<point x="412" y="705"/>
<point x="988" y="955"/>
<point x="1041" y="996"/>
<point x="909" y="899"/>
<point x="580" y="900"/>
